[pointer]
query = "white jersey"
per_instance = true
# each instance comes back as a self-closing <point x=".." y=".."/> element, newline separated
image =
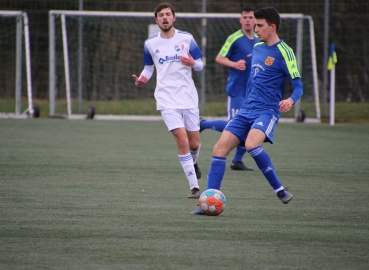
<point x="175" y="88"/>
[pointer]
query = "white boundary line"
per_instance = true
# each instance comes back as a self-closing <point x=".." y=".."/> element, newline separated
<point x="14" y="116"/>
<point x="159" y="118"/>
<point x="138" y="118"/>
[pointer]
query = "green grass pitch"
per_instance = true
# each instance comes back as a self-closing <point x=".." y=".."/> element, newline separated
<point x="112" y="195"/>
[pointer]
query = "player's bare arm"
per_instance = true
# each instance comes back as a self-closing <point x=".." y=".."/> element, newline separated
<point x="224" y="61"/>
<point x="285" y="105"/>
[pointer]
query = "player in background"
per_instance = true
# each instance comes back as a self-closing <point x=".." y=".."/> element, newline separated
<point x="236" y="54"/>
<point x="273" y="62"/>
<point x="174" y="54"/>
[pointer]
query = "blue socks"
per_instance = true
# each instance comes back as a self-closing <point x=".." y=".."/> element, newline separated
<point x="262" y="159"/>
<point x="265" y="165"/>
<point x="217" y="125"/>
<point x="216" y="173"/>
<point x="240" y="152"/>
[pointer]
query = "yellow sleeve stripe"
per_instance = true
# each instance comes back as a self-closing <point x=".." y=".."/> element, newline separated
<point x="259" y="43"/>
<point x="290" y="59"/>
<point x="230" y="40"/>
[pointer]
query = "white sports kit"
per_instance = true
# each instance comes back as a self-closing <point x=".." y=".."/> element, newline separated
<point x="175" y="88"/>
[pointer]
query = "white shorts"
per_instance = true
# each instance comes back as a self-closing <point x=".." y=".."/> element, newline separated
<point x="179" y="118"/>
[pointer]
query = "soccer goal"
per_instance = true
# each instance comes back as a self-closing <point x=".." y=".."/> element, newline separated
<point x="94" y="54"/>
<point x="14" y="61"/>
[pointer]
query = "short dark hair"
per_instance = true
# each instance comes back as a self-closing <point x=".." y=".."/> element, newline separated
<point x="162" y="6"/>
<point x="270" y="14"/>
<point x="248" y="9"/>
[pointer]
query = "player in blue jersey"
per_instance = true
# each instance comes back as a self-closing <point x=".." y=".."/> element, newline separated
<point x="236" y="54"/>
<point x="273" y="62"/>
<point x="174" y="53"/>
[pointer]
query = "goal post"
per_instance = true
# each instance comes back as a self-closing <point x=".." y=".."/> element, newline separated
<point x="113" y="51"/>
<point x="14" y="57"/>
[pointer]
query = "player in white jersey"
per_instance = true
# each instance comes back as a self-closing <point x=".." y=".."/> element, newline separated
<point x="174" y="53"/>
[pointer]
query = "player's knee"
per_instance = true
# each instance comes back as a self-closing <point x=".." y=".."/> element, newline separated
<point x="250" y="145"/>
<point x="194" y="142"/>
<point x="220" y="150"/>
<point x="215" y="150"/>
<point x="194" y="146"/>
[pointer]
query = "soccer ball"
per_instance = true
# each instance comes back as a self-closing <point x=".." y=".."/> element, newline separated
<point x="212" y="202"/>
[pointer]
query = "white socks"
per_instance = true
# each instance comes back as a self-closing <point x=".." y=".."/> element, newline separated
<point x="195" y="154"/>
<point x="188" y="168"/>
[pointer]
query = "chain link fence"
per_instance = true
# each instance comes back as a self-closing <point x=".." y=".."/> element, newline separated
<point x="348" y="29"/>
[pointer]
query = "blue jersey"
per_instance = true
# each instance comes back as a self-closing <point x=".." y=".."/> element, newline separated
<point x="271" y="66"/>
<point x="237" y="47"/>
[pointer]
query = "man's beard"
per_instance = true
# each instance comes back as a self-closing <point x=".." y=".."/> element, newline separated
<point x="166" y="29"/>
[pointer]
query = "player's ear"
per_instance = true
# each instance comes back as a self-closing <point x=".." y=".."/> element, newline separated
<point x="274" y="27"/>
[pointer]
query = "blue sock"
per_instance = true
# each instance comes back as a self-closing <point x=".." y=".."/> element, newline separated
<point x="240" y="152"/>
<point x="264" y="163"/>
<point x="217" y="125"/>
<point x="216" y="173"/>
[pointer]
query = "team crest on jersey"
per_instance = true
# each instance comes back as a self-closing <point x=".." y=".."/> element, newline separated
<point x="179" y="47"/>
<point x="269" y="61"/>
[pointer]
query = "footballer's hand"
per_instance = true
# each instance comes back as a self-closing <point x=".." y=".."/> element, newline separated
<point x="285" y="105"/>
<point x="240" y="65"/>
<point x="140" y="81"/>
<point x="187" y="61"/>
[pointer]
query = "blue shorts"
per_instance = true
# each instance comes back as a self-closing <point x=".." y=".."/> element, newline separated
<point x="241" y="124"/>
<point x="233" y="106"/>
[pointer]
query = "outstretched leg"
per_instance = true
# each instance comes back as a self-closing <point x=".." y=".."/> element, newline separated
<point x="217" y="125"/>
<point x="253" y="145"/>
<point x="222" y="148"/>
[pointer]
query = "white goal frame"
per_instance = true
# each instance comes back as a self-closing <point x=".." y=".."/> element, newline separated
<point x="53" y="14"/>
<point x="22" y="30"/>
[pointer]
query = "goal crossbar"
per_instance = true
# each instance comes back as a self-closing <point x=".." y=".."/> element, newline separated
<point x="150" y="14"/>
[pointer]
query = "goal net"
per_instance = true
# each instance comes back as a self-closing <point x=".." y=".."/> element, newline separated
<point x="15" y="88"/>
<point x="94" y="54"/>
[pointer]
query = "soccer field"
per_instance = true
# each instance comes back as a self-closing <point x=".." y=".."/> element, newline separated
<point x="95" y="194"/>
